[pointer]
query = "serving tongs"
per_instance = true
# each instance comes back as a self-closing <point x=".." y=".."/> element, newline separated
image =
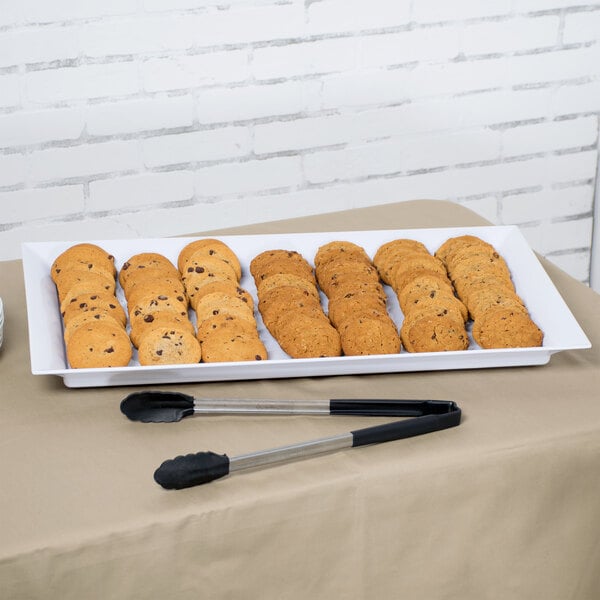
<point x="169" y="407"/>
<point x="202" y="467"/>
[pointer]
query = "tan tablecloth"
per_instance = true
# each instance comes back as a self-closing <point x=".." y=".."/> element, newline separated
<point x="505" y="506"/>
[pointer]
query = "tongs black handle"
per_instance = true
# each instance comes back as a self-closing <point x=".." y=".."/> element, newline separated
<point x="167" y="407"/>
<point x="195" y="469"/>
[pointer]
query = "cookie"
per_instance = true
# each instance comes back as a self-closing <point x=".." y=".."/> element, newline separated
<point x="506" y="327"/>
<point x="334" y="272"/>
<point x="340" y="309"/>
<point x="434" y="333"/>
<point x="72" y="283"/>
<point x="340" y="251"/>
<point x="227" y="338"/>
<point x="85" y="257"/>
<point x="95" y="302"/>
<point x="276" y="262"/>
<point x="367" y="334"/>
<point x="226" y="287"/>
<point x="147" y="307"/>
<point x="162" y="318"/>
<point x="153" y="283"/>
<point x="308" y="337"/>
<point x="213" y="248"/>
<point x="284" y="280"/>
<point x="391" y="253"/>
<point x="144" y="262"/>
<point x="168" y="345"/>
<point x="97" y="345"/>
<point x="85" y="318"/>
<point x="219" y="303"/>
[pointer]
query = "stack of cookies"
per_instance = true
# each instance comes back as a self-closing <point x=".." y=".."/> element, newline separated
<point x="94" y="320"/>
<point x="158" y="311"/>
<point x="483" y="282"/>
<point x="434" y="318"/>
<point x="290" y="305"/>
<point x="357" y="303"/>
<point x="226" y="325"/>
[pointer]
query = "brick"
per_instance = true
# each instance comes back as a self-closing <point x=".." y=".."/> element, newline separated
<point x="576" y="264"/>
<point x="523" y="174"/>
<point x="469" y="76"/>
<point x="77" y="83"/>
<point x="39" y="45"/>
<point x="559" y="236"/>
<point x="510" y="35"/>
<point x="147" y="189"/>
<point x="307" y="58"/>
<point x="330" y="16"/>
<point x="575" y="98"/>
<point x="461" y="183"/>
<point x="555" y="66"/>
<point x="255" y="101"/>
<point x="309" y="132"/>
<point x="26" y="127"/>
<point x="9" y="91"/>
<point x="55" y="164"/>
<point x="166" y="221"/>
<point x="11" y="13"/>
<point x="485" y="207"/>
<point x="401" y="155"/>
<point x="41" y="203"/>
<point x="548" y="136"/>
<point x="428" y="43"/>
<point x="366" y="88"/>
<point x="137" y="35"/>
<point x="525" y="6"/>
<point x="171" y="5"/>
<point x="196" y="146"/>
<point x="12" y="169"/>
<point x="67" y="10"/>
<point x="547" y="204"/>
<point x="425" y="11"/>
<point x="581" y="27"/>
<point x="139" y="115"/>
<point x="247" y="24"/>
<point x="422" y="115"/>
<point x="249" y="176"/>
<point x="191" y="71"/>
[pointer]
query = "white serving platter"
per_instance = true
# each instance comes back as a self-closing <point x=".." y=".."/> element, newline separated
<point x="546" y="306"/>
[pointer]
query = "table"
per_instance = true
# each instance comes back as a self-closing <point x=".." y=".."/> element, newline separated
<point x="507" y="505"/>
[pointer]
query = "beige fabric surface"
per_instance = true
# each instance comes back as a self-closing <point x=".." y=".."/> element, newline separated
<point x="505" y="506"/>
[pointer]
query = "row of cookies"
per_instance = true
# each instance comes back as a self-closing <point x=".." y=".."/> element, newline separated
<point x="290" y="305"/>
<point x="94" y="322"/>
<point x="434" y="318"/>
<point x="357" y="303"/>
<point x="483" y="281"/>
<point x="157" y="305"/>
<point x="226" y="325"/>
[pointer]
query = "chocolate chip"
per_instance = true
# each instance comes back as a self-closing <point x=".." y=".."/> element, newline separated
<point x="159" y="352"/>
<point x="148" y="318"/>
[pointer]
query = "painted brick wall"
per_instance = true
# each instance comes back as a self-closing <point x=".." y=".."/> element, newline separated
<point x="143" y="118"/>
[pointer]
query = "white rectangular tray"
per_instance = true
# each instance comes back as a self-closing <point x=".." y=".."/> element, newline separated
<point x="547" y="308"/>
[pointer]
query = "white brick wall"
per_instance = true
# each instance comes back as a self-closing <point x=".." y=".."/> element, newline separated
<point x="159" y="117"/>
